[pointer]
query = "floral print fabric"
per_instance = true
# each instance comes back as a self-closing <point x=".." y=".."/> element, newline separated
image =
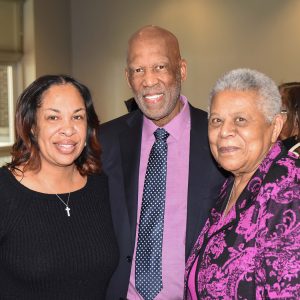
<point x="255" y="253"/>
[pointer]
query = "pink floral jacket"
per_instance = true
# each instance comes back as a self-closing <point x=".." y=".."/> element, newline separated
<point x="256" y="254"/>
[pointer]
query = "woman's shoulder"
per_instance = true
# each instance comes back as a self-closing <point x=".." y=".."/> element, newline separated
<point x="282" y="183"/>
<point x="3" y="171"/>
<point x="97" y="181"/>
<point x="11" y="189"/>
<point x="285" y="163"/>
<point x="14" y="195"/>
<point x="6" y="179"/>
<point x="288" y="165"/>
<point x="11" y="185"/>
<point x="11" y="199"/>
<point x="97" y="177"/>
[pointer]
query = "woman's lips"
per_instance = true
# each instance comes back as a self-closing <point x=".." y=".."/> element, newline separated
<point x="227" y="149"/>
<point x="65" y="148"/>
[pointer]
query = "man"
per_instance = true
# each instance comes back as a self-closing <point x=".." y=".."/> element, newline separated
<point x="154" y="72"/>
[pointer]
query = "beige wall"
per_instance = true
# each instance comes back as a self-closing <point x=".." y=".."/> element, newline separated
<point x="47" y="38"/>
<point x="47" y="45"/>
<point x="88" y="40"/>
<point x="215" y="36"/>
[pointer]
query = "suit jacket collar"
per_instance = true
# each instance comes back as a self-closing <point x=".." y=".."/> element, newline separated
<point x="130" y="146"/>
<point x="194" y="205"/>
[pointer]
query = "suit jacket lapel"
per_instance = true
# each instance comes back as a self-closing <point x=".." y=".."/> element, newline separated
<point x="195" y="206"/>
<point x="130" y="144"/>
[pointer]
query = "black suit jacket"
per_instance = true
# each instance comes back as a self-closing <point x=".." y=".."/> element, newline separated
<point x="121" y="143"/>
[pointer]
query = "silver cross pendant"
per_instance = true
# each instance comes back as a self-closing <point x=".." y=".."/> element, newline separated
<point x="68" y="211"/>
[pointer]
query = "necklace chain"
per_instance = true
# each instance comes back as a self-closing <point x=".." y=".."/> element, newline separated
<point x="66" y="204"/>
<point x="67" y="209"/>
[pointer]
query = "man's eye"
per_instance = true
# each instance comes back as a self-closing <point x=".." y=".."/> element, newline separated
<point x="215" y="120"/>
<point x="240" y="119"/>
<point x="161" y="68"/>
<point x="138" y="70"/>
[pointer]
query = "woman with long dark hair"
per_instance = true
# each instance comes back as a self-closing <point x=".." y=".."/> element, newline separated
<point x="56" y="232"/>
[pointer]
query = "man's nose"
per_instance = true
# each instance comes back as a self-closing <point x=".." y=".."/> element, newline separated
<point x="150" y="77"/>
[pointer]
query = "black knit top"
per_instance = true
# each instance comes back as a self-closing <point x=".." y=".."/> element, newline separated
<point x="44" y="254"/>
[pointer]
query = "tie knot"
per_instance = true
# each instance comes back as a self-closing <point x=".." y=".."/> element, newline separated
<point x="161" y="134"/>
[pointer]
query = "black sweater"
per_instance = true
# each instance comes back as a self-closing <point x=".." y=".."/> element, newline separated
<point x="44" y="254"/>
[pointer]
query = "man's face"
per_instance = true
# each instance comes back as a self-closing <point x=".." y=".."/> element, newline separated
<point x="154" y="73"/>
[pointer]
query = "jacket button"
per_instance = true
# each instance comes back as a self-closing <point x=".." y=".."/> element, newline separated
<point x="129" y="258"/>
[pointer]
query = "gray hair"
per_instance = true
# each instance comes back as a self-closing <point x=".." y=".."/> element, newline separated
<point x="269" y="99"/>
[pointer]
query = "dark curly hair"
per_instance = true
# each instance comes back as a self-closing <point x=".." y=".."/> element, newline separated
<point x="25" y="151"/>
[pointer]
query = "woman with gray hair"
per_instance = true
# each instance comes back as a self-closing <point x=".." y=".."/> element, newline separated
<point x="249" y="247"/>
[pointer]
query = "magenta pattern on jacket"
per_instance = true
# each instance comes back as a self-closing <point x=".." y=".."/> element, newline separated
<point x="256" y="254"/>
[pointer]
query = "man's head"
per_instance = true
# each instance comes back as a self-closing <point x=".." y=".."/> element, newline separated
<point x="154" y="72"/>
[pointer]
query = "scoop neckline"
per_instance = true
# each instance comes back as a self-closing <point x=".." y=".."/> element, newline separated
<point x="21" y="186"/>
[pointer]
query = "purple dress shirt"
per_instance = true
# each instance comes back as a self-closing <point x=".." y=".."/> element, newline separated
<point x="173" y="250"/>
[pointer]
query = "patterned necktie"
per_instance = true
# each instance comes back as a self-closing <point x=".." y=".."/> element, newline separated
<point x="148" y="269"/>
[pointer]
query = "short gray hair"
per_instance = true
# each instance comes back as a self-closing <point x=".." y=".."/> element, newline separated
<point x="269" y="99"/>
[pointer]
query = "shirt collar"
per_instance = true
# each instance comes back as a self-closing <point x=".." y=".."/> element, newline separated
<point x="175" y="126"/>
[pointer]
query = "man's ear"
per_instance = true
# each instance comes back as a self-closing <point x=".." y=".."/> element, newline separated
<point x="183" y="69"/>
<point x="127" y="77"/>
